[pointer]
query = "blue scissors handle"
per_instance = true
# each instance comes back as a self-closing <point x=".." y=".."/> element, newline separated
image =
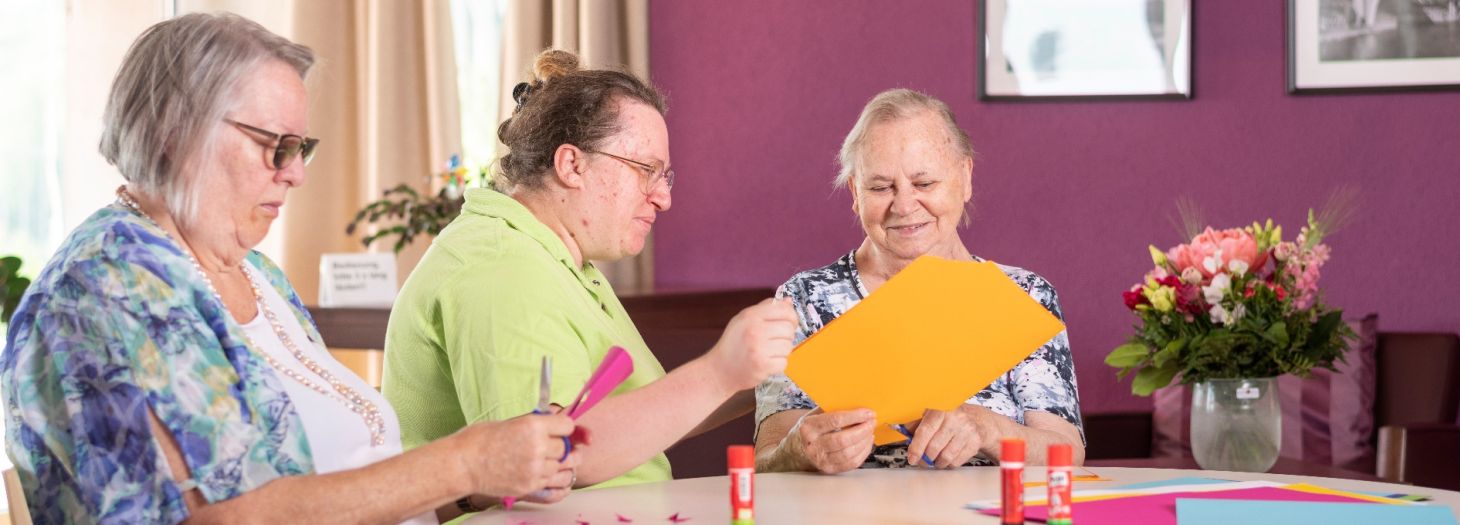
<point x="902" y="429"/>
<point x="567" y="443"/>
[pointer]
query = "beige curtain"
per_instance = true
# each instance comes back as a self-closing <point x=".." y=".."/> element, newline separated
<point x="383" y="96"/>
<point x="603" y="33"/>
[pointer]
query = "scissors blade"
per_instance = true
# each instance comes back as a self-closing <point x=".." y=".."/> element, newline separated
<point x="545" y="385"/>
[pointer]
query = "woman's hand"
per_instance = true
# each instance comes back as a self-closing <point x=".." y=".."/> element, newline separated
<point x="951" y="438"/>
<point x="832" y="442"/>
<point x="755" y="345"/>
<point x="519" y="456"/>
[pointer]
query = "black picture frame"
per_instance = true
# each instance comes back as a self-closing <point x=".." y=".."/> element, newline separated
<point x="1175" y="49"/>
<point x="1308" y="73"/>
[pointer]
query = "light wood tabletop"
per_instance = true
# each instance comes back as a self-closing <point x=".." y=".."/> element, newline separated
<point x="872" y="496"/>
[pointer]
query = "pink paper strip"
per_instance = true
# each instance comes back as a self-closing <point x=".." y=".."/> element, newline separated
<point x="1160" y="509"/>
<point x="615" y="368"/>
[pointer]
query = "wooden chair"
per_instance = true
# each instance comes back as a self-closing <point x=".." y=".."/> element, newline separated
<point x="1415" y="408"/>
<point x="15" y="496"/>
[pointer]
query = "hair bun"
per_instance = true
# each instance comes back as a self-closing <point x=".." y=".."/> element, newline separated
<point x="553" y="64"/>
<point x="520" y="92"/>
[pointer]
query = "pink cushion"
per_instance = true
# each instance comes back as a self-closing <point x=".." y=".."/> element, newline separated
<point x="1327" y="418"/>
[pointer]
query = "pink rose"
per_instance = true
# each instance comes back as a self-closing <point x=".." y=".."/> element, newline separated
<point x="1233" y="244"/>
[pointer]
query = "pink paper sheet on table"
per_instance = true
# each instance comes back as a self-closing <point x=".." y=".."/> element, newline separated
<point x="1160" y="509"/>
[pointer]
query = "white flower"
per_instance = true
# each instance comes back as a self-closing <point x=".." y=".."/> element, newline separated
<point x="1223" y="317"/>
<point x="1213" y="263"/>
<point x="1214" y="292"/>
<point x="1238" y="267"/>
<point x="1219" y="315"/>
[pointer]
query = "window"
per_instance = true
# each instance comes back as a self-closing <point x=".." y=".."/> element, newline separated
<point x="477" y="29"/>
<point x="32" y="58"/>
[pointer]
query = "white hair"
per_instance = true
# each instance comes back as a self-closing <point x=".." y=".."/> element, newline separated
<point x="176" y="82"/>
<point x="891" y="105"/>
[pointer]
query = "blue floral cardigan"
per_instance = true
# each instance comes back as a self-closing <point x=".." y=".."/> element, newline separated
<point x="120" y="322"/>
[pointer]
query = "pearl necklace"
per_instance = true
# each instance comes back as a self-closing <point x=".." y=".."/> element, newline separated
<point x="342" y="392"/>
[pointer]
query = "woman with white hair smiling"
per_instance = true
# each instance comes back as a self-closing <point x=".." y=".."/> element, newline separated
<point x="910" y="170"/>
<point x="160" y="369"/>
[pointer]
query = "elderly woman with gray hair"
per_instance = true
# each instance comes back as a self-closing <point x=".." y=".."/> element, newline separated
<point x="160" y="369"/>
<point x="910" y="170"/>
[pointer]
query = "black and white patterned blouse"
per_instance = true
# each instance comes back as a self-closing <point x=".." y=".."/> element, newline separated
<point x="1044" y="381"/>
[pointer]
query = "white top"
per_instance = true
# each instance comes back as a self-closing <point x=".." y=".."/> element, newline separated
<point x="338" y="438"/>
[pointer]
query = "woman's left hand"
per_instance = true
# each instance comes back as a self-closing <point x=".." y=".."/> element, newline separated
<point x="950" y="438"/>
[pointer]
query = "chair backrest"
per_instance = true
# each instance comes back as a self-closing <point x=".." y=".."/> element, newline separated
<point x="679" y="327"/>
<point x="15" y="496"/>
<point x="1418" y="378"/>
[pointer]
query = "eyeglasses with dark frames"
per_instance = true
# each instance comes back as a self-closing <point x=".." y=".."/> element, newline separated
<point x="286" y="146"/>
<point x="655" y="174"/>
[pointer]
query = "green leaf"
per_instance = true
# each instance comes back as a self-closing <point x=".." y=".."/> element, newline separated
<point x="1323" y="329"/>
<point x="1127" y="355"/>
<point x="1277" y="334"/>
<point x="1170" y="352"/>
<point x="1151" y="378"/>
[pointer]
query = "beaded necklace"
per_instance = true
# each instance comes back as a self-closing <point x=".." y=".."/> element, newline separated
<point x="341" y="391"/>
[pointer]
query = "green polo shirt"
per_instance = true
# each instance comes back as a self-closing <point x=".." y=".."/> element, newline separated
<point x="497" y="291"/>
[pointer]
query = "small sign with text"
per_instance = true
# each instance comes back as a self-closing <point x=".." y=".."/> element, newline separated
<point x="357" y="279"/>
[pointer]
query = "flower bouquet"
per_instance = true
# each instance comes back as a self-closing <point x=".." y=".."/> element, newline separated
<point x="1228" y="312"/>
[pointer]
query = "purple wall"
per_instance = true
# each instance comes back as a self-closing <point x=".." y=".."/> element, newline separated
<point x="762" y="92"/>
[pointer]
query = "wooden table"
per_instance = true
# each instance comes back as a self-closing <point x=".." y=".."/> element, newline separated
<point x="873" y="496"/>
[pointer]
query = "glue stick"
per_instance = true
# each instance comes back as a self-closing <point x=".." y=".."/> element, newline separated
<point x="742" y="484"/>
<point x="1060" y="482"/>
<point x="1011" y="465"/>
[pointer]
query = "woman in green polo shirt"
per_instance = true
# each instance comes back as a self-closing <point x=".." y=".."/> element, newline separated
<point x="509" y="281"/>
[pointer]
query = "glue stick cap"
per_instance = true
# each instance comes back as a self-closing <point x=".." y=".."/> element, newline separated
<point x="740" y="456"/>
<point x="1011" y="450"/>
<point x="1059" y="455"/>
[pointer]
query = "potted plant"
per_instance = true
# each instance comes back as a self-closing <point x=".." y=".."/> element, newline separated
<point x="12" y="285"/>
<point x="413" y="214"/>
<point x="1228" y="312"/>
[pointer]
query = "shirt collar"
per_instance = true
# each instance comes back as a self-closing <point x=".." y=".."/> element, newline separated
<point x="492" y="203"/>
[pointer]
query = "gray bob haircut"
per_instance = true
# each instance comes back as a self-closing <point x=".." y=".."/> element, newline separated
<point x="177" y="81"/>
<point x="891" y="105"/>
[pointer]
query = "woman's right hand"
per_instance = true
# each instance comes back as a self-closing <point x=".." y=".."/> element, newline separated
<point x="832" y="442"/>
<point x="755" y="344"/>
<point x="518" y="456"/>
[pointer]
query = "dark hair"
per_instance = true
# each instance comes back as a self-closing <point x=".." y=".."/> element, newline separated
<point x="563" y="105"/>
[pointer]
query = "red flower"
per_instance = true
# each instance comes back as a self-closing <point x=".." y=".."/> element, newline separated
<point x="1276" y="289"/>
<point x="1133" y="297"/>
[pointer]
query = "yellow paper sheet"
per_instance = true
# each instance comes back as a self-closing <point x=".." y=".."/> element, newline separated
<point x="1082" y="476"/>
<point x="932" y="336"/>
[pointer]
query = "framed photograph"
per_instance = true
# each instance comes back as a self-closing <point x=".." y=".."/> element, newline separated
<point x="1373" y="45"/>
<point x="1084" y="49"/>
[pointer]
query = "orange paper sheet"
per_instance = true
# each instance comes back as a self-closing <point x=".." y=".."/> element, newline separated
<point x="931" y="337"/>
<point x="1082" y="476"/>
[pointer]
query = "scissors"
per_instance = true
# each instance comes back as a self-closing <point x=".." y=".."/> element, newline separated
<point x="902" y="429"/>
<point x="544" y="404"/>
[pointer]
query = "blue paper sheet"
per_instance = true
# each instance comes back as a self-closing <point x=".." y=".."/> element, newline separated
<point x="1226" y="512"/>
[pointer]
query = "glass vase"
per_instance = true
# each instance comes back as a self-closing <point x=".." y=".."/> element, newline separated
<point x="1236" y="424"/>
